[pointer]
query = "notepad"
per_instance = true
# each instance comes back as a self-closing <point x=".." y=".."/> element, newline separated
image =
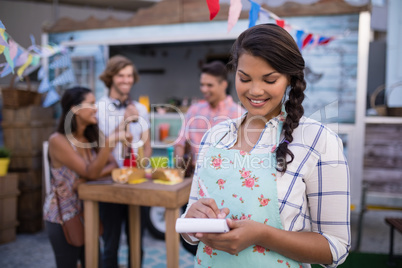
<point x="201" y="225"/>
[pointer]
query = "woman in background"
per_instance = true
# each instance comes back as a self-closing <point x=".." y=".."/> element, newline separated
<point x="75" y="154"/>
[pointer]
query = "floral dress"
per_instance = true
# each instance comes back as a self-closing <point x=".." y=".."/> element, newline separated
<point x="246" y="184"/>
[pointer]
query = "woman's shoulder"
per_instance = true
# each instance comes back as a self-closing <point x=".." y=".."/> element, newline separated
<point x="314" y="134"/>
<point x="227" y="124"/>
<point x="57" y="139"/>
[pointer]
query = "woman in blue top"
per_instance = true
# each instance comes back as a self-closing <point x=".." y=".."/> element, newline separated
<point x="279" y="178"/>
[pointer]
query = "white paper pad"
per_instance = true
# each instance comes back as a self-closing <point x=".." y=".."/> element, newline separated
<point x="201" y="225"/>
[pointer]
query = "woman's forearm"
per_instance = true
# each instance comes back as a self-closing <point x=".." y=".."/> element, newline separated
<point x="306" y="247"/>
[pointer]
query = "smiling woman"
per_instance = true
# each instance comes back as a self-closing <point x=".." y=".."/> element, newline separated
<point x="278" y="200"/>
<point x="74" y="153"/>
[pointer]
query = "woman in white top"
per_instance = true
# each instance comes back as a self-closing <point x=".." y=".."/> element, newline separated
<point x="279" y="178"/>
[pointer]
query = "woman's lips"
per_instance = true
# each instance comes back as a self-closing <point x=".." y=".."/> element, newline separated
<point x="257" y="103"/>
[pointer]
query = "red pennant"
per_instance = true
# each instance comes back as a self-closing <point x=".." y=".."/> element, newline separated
<point x="280" y="23"/>
<point x="307" y="40"/>
<point x="325" y="41"/>
<point x="213" y="6"/>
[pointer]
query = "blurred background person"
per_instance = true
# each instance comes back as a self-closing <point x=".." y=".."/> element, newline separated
<point x="119" y="77"/>
<point x="216" y="107"/>
<point x="74" y="154"/>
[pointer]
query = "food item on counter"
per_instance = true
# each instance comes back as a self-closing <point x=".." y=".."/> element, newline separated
<point x="168" y="174"/>
<point x="123" y="175"/>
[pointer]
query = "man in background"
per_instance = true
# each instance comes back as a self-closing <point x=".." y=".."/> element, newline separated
<point x="119" y="77"/>
<point x="216" y="107"/>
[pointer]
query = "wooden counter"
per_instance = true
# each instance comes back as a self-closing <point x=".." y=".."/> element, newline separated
<point x="172" y="197"/>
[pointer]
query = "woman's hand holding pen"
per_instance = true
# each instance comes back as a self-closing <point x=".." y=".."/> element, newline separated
<point x="206" y="208"/>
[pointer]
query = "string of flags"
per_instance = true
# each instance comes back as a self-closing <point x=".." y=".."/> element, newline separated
<point x="303" y="38"/>
<point x="24" y="61"/>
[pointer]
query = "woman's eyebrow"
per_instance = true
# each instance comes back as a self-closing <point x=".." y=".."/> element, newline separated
<point x="265" y="75"/>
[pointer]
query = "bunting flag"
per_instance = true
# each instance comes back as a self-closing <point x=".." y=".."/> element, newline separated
<point x="65" y="78"/>
<point x="3" y="42"/>
<point x="44" y="85"/>
<point x="25" y="61"/>
<point x="3" y="36"/>
<point x="253" y="15"/>
<point x="264" y="16"/>
<point x="11" y="52"/>
<point x="303" y="39"/>
<point x="280" y="23"/>
<point x="41" y="73"/>
<point x="234" y="13"/>
<point x="61" y="62"/>
<point x="6" y="71"/>
<point x="213" y="6"/>
<point x="51" y="98"/>
<point x="24" y="66"/>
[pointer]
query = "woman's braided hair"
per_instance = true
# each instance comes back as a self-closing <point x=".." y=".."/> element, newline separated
<point x="275" y="45"/>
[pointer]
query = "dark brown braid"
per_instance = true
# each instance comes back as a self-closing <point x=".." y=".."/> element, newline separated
<point x="295" y="111"/>
<point x="275" y="45"/>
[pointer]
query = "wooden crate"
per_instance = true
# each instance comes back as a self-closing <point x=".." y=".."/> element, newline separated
<point x="29" y="204"/>
<point x="33" y="225"/>
<point x="22" y="138"/>
<point x="25" y="161"/>
<point x="8" y="233"/>
<point x="29" y="211"/>
<point x="8" y="207"/>
<point x="27" y="114"/>
<point x="29" y="180"/>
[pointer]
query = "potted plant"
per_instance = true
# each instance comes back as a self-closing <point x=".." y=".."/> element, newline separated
<point x="4" y="160"/>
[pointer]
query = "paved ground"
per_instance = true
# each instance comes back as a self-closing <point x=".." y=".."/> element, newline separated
<point x="34" y="250"/>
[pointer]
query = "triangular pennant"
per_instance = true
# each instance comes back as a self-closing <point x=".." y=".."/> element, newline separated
<point x="264" y="16"/>
<point x="253" y="15"/>
<point x="35" y="60"/>
<point x="213" y="6"/>
<point x="3" y="36"/>
<point x="324" y="40"/>
<point x="25" y="65"/>
<point x="234" y="13"/>
<point x="51" y="98"/>
<point x="61" y="62"/>
<point x="41" y="73"/>
<point x="12" y="53"/>
<point x="8" y="57"/>
<point x="2" y="41"/>
<point x="307" y="40"/>
<point x="280" y="23"/>
<point x="66" y="77"/>
<point x="21" y="59"/>
<point x="32" y="37"/>
<point x="299" y="38"/>
<point x="6" y="71"/>
<point x="44" y="85"/>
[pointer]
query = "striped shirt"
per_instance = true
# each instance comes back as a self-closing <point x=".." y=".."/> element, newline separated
<point x="314" y="192"/>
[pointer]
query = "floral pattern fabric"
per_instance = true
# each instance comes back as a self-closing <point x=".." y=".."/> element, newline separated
<point x="246" y="187"/>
